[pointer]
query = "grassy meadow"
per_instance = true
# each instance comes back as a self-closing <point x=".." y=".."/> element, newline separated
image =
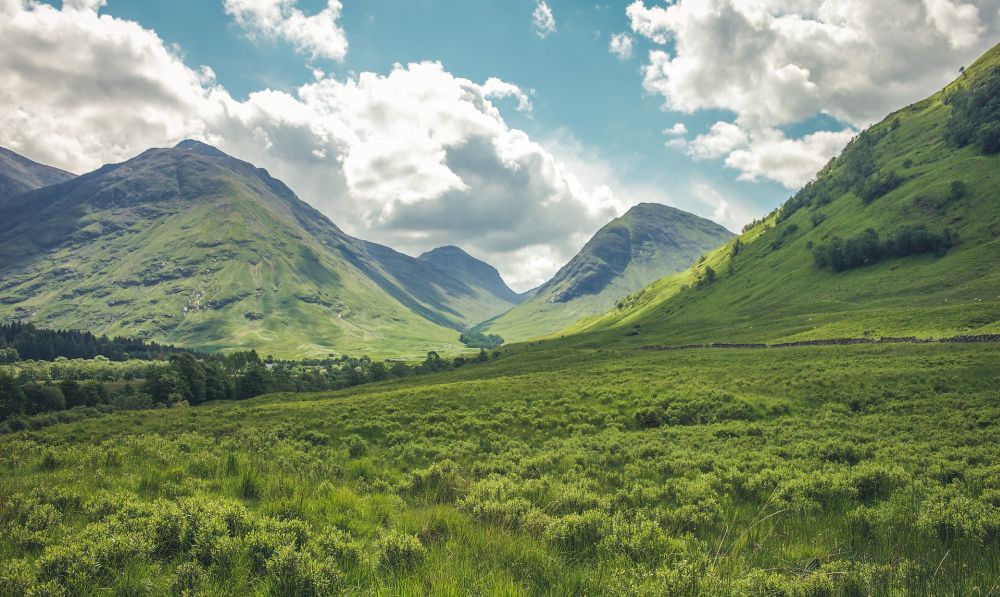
<point x="553" y="469"/>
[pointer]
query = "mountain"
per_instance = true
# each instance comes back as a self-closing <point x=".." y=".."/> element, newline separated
<point x="19" y="175"/>
<point x="191" y="246"/>
<point x="472" y="271"/>
<point x="647" y="243"/>
<point x="897" y="236"/>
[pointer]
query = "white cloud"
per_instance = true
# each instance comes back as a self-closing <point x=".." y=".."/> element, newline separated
<point x="791" y="162"/>
<point x="778" y="62"/>
<point x="678" y="130"/>
<point x="958" y="22"/>
<point x="318" y="35"/>
<point x="413" y="158"/>
<point x="543" y="20"/>
<point x="88" y="5"/>
<point x="621" y="46"/>
<point x="722" y="139"/>
<point x="494" y="88"/>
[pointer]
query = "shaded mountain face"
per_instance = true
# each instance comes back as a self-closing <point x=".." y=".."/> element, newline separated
<point x="648" y="238"/>
<point x="191" y="246"/>
<point x="897" y="236"/>
<point x="19" y="175"/>
<point x="648" y="242"/>
<point x="472" y="271"/>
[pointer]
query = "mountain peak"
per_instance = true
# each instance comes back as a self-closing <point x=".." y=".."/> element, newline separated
<point x="19" y="175"/>
<point x="200" y="148"/>
<point x="457" y="262"/>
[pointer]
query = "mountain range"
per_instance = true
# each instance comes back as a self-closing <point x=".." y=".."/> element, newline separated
<point x="191" y="246"/>
<point x="898" y="235"/>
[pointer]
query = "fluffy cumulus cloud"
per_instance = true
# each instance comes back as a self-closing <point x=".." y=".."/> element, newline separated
<point x="318" y="35"/>
<point x="621" y="46"/>
<point x="414" y="158"/>
<point x="543" y="21"/>
<point x="778" y="62"/>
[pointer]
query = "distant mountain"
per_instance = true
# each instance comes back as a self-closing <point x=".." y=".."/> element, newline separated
<point x="647" y="243"/>
<point x="19" y="175"/>
<point x="472" y="271"/>
<point x="191" y="246"/>
<point x="897" y="236"/>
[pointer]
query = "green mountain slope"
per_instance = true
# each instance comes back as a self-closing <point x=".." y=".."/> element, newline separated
<point x="191" y="246"/>
<point x="926" y="181"/>
<point x="647" y="243"/>
<point x="493" y="296"/>
<point x="19" y="175"/>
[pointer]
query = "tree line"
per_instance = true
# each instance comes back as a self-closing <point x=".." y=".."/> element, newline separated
<point x="23" y="341"/>
<point x="31" y="389"/>
<point x="867" y="248"/>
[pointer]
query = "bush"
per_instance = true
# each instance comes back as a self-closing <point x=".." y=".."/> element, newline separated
<point x="950" y="516"/>
<point x="399" y="551"/>
<point x="338" y="545"/>
<point x="356" y="446"/>
<point x="297" y="574"/>
<point x="440" y="483"/>
<point x="579" y="533"/>
<point x="188" y="579"/>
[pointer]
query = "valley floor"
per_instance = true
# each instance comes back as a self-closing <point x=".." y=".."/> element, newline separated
<point x="821" y="470"/>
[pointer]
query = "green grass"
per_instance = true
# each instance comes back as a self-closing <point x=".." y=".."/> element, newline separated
<point x="554" y="469"/>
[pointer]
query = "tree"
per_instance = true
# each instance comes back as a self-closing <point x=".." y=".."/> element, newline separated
<point x="12" y="398"/>
<point x="72" y="393"/>
<point x="43" y="398"/>
<point x="164" y="384"/>
<point x="193" y="374"/>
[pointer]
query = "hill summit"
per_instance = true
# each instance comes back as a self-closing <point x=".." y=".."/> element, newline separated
<point x="646" y="243"/>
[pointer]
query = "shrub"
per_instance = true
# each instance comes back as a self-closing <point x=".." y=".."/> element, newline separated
<point x="579" y="533"/>
<point x="341" y="547"/>
<point x="297" y="574"/>
<point x="950" y="516"/>
<point x="356" y="446"/>
<point x="440" y="483"/>
<point x="188" y="579"/>
<point x="399" y="551"/>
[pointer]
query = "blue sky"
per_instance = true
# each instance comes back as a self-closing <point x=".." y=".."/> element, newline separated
<point x="580" y="88"/>
<point x="763" y="93"/>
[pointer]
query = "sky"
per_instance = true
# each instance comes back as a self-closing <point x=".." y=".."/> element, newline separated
<point x="514" y="129"/>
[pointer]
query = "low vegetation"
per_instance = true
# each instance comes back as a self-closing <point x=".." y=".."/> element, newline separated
<point x="841" y="470"/>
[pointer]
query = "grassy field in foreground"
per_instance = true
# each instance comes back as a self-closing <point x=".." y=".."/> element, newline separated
<point x="809" y="471"/>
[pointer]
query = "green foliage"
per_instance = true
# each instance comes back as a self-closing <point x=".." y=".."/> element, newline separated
<point x="813" y="470"/>
<point x="975" y="113"/>
<point x="866" y="248"/>
<point x="398" y="551"/>
<point x="475" y="339"/>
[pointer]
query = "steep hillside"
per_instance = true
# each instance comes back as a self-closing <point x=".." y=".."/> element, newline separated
<point x="491" y="295"/>
<point x="647" y="243"/>
<point x="19" y="175"/>
<point x="899" y="235"/>
<point x="472" y="271"/>
<point x="191" y="246"/>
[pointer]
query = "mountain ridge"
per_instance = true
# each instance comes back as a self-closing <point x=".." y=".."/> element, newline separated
<point x="19" y="175"/>
<point x="647" y="242"/>
<point x="255" y="266"/>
